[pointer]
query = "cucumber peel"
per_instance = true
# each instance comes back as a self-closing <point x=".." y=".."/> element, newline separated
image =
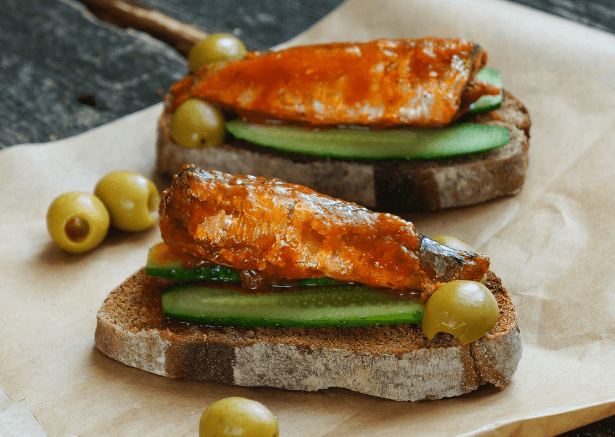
<point x="406" y="143"/>
<point x="487" y="103"/>
<point x="339" y="306"/>
<point x="315" y="302"/>
<point x="163" y="263"/>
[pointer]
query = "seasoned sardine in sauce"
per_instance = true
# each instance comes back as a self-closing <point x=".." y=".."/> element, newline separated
<point x="274" y="230"/>
<point x="425" y="82"/>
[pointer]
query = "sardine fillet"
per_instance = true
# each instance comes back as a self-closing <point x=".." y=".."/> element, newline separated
<point x="416" y="82"/>
<point x="285" y="230"/>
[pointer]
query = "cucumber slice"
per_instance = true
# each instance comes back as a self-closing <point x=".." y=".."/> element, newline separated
<point x="163" y="263"/>
<point x="340" y="306"/>
<point x="316" y="282"/>
<point x="160" y="257"/>
<point x="316" y="303"/>
<point x="406" y="143"/>
<point x="487" y="103"/>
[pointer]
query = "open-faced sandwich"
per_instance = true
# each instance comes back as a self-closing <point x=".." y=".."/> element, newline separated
<point x="259" y="282"/>
<point x="396" y="125"/>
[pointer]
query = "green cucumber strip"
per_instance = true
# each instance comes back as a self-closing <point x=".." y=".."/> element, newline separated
<point x="406" y="143"/>
<point x="317" y="304"/>
<point x="315" y="282"/>
<point x="161" y="262"/>
<point x="209" y="273"/>
<point x="487" y="103"/>
<point x="160" y="256"/>
<point x="341" y="306"/>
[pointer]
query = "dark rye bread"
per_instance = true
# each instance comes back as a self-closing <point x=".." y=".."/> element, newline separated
<point x="392" y="185"/>
<point x="390" y="361"/>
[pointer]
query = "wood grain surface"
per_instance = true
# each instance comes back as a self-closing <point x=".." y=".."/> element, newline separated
<point x="599" y="14"/>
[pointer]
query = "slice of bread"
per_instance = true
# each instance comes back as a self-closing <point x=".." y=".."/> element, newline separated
<point x="391" y="185"/>
<point x="390" y="361"/>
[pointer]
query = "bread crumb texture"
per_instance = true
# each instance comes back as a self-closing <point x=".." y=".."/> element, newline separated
<point x="390" y="361"/>
<point x="389" y="185"/>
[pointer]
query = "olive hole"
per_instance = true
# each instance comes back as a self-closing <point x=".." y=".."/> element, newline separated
<point x="77" y="229"/>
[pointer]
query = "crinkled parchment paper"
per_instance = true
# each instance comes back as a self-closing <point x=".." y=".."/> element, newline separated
<point x="552" y="245"/>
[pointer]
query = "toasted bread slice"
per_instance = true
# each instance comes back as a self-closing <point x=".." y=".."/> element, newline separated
<point x="390" y="361"/>
<point x="392" y="185"/>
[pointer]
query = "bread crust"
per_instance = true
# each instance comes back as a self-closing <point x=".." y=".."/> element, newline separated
<point x="391" y="185"/>
<point x="390" y="361"/>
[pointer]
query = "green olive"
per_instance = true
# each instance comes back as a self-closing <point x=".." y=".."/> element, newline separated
<point x="77" y="221"/>
<point x="132" y="200"/>
<point x="197" y="124"/>
<point x="216" y="47"/>
<point x="453" y="243"/>
<point x="465" y="309"/>
<point x="236" y="417"/>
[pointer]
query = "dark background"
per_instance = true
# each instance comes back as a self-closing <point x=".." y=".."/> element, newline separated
<point x="63" y="71"/>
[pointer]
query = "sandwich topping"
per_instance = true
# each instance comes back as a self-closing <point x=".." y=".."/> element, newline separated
<point x="427" y="82"/>
<point x="270" y="231"/>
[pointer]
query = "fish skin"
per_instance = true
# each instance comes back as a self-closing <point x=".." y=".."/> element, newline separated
<point x="424" y="82"/>
<point x="278" y="230"/>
